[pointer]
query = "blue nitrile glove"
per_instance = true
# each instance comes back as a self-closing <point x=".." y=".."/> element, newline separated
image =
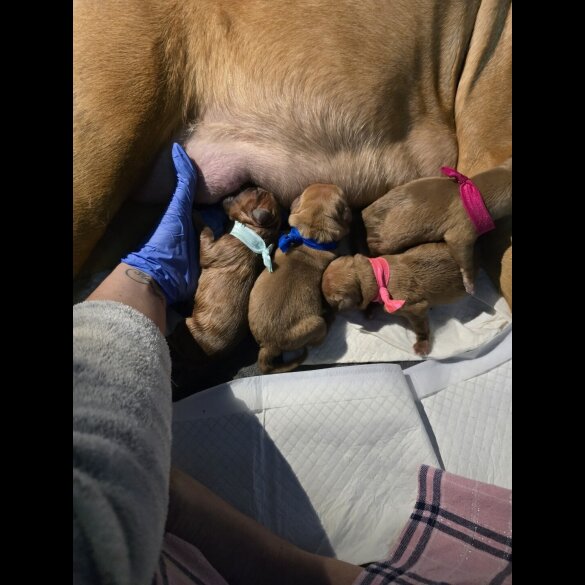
<point x="171" y="255"/>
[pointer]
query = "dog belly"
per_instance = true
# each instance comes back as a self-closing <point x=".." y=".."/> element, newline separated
<point x="365" y="171"/>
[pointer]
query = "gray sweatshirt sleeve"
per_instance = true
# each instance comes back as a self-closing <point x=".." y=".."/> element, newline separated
<point x="121" y="443"/>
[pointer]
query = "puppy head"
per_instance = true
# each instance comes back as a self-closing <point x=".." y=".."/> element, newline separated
<point x="257" y="209"/>
<point x="321" y="213"/>
<point x="340" y="284"/>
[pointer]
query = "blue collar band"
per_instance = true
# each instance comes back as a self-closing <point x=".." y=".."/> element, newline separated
<point x="294" y="238"/>
<point x="254" y="242"/>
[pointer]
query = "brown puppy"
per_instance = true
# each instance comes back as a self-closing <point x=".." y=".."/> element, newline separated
<point x="228" y="271"/>
<point x="286" y="306"/>
<point x="423" y="276"/>
<point x="430" y="210"/>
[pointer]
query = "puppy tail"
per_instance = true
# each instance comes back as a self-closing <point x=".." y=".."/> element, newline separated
<point x="270" y="361"/>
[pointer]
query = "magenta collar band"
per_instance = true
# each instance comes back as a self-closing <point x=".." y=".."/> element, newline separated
<point x="472" y="201"/>
<point x="382" y="273"/>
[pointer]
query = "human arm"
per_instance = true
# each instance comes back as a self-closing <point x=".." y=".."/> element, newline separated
<point x="122" y="400"/>
<point x="136" y="289"/>
<point x="121" y="443"/>
<point x="243" y="551"/>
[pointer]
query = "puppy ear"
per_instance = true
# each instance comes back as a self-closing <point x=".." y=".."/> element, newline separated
<point x="262" y="217"/>
<point x="362" y="267"/>
<point x="346" y="297"/>
<point x="294" y="206"/>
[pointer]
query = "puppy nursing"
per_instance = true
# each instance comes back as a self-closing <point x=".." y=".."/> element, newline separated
<point x="229" y="268"/>
<point x="286" y="307"/>
<point x="415" y="280"/>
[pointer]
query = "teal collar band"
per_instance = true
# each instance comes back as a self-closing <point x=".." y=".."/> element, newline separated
<point x="254" y="242"/>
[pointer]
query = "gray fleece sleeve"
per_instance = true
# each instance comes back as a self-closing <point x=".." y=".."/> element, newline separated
<point x="121" y="443"/>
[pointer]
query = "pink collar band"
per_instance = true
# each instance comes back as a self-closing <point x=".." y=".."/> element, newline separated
<point x="472" y="201"/>
<point x="382" y="273"/>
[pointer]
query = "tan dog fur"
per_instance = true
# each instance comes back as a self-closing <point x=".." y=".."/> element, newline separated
<point x="282" y="94"/>
<point x="228" y="271"/>
<point x="286" y="307"/>
<point x="423" y="276"/>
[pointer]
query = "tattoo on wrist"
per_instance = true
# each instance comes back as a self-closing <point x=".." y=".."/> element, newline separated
<point x="143" y="278"/>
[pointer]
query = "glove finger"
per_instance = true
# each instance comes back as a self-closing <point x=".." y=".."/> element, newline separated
<point x="184" y="166"/>
<point x="182" y="202"/>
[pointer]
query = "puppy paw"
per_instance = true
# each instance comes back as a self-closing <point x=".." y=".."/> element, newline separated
<point x="468" y="282"/>
<point x="422" y="347"/>
<point x="206" y="232"/>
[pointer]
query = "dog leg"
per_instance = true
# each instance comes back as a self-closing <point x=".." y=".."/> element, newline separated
<point x="496" y="257"/>
<point x="123" y="112"/>
<point x="463" y="253"/>
<point x="418" y="319"/>
<point x="267" y="357"/>
<point x="310" y="331"/>
<point x="206" y="243"/>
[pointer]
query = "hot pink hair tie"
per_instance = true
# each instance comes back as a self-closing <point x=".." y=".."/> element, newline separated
<point x="382" y="273"/>
<point x="472" y="201"/>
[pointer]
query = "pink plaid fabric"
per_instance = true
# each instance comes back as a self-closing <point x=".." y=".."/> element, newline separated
<point x="181" y="563"/>
<point x="460" y="533"/>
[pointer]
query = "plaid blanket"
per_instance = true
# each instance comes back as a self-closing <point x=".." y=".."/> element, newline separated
<point x="460" y="532"/>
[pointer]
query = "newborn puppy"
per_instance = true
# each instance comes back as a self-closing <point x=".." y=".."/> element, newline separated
<point x="228" y="271"/>
<point x="286" y="306"/>
<point x="421" y="277"/>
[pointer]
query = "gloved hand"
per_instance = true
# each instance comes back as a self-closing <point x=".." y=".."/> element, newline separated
<point x="171" y="255"/>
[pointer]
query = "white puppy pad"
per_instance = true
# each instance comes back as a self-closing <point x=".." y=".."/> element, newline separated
<point x="324" y="458"/>
<point x="472" y="422"/>
<point x="468" y="403"/>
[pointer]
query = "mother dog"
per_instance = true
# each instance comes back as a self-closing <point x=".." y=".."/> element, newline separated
<point x="367" y="95"/>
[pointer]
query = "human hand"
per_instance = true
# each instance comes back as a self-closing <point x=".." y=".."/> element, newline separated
<point x="171" y="255"/>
